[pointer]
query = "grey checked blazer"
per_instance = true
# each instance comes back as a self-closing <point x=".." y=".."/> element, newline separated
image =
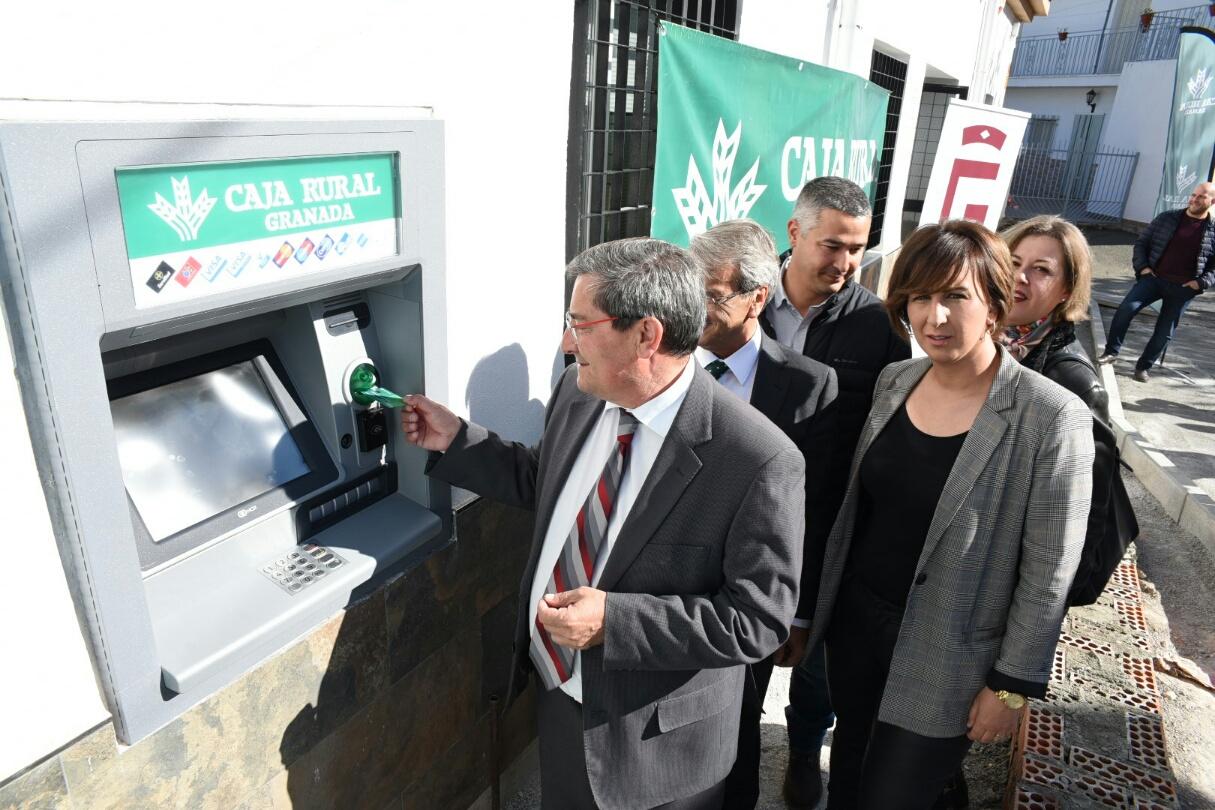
<point x="702" y="580"/>
<point x="991" y="584"/>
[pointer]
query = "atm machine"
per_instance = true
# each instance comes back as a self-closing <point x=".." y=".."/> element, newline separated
<point x="192" y="307"/>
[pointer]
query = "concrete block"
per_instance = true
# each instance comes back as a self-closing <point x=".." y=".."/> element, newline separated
<point x="1198" y="518"/>
<point x="1156" y="479"/>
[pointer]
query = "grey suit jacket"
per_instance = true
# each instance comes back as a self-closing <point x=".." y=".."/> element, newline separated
<point x="701" y="581"/>
<point x="990" y="588"/>
<point x="800" y="396"/>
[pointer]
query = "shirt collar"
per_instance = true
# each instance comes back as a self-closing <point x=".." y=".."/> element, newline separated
<point x="777" y="297"/>
<point x="658" y="413"/>
<point x="742" y="363"/>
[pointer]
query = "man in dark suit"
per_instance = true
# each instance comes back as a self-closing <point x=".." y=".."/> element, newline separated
<point x="819" y="310"/>
<point x="669" y="517"/>
<point x="796" y="393"/>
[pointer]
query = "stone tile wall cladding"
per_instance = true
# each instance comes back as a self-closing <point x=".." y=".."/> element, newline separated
<point x="387" y="705"/>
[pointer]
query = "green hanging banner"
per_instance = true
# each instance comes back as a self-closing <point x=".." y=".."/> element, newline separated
<point x="740" y="131"/>
<point x="1189" y="153"/>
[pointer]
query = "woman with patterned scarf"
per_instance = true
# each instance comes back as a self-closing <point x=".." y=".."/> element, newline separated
<point x="1051" y="262"/>
<point x="1052" y="268"/>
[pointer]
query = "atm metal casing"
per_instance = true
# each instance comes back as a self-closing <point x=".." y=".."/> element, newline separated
<point x="167" y="631"/>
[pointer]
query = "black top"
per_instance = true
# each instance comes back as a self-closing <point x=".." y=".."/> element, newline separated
<point x="901" y="479"/>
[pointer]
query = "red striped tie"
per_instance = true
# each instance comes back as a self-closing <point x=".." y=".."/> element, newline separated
<point x="576" y="565"/>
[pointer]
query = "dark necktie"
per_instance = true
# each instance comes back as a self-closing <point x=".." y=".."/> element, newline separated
<point x="717" y="368"/>
<point x="576" y="565"/>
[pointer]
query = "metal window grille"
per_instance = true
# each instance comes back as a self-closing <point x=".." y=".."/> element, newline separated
<point x="613" y="110"/>
<point x="1040" y="131"/>
<point x="891" y="74"/>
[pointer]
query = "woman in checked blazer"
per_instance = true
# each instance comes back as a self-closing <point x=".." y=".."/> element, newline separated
<point x="945" y="578"/>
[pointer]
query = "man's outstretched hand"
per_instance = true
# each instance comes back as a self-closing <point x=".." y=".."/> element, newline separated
<point x="428" y="424"/>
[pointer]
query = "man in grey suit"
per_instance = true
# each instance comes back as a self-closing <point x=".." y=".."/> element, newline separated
<point x="669" y="517"/>
<point x="796" y="394"/>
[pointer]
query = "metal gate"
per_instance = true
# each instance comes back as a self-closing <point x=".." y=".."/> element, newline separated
<point x="1084" y="184"/>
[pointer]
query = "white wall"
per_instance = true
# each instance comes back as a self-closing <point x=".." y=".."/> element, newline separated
<point x="48" y="694"/>
<point x="797" y="30"/>
<point x="1139" y="120"/>
<point x="966" y="42"/>
<point x="503" y="89"/>
<point x="1066" y="104"/>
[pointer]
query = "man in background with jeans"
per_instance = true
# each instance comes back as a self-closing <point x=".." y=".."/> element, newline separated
<point x="1174" y="262"/>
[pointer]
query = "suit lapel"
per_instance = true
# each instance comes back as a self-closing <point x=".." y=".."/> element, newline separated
<point x="674" y="468"/>
<point x="978" y="448"/>
<point x="768" y="391"/>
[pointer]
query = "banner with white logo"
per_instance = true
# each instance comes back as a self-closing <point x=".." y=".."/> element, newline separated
<point x="205" y="228"/>
<point x="1189" y="153"/>
<point x="974" y="165"/>
<point x="740" y="131"/>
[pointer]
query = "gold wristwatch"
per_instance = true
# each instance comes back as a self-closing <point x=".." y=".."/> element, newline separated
<point x="1011" y="699"/>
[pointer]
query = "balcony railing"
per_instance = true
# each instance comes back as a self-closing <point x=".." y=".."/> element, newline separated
<point x="1100" y="52"/>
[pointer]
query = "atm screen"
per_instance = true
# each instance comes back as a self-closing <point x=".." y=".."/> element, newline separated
<point x="199" y="446"/>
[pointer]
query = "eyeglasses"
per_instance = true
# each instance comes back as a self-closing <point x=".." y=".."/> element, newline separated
<point x="725" y="299"/>
<point x="574" y="327"/>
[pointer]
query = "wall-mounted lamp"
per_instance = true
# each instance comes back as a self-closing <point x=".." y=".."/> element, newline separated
<point x="1090" y="98"/>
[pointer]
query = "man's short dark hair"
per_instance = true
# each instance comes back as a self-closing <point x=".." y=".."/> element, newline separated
<point x="836" y="193"/>
<point x="636" y="278"/>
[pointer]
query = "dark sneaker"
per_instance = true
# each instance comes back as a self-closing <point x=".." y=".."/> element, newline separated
<point x="1140" y="375"/>
<point x="1107" y="358"/>
<point x="803" y="781"/>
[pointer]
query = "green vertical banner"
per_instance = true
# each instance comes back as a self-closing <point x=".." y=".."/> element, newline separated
<point x="1189" y="153"/>
<point x="740" y="131"/>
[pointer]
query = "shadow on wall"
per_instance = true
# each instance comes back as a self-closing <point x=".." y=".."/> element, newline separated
<point x="498" y="391"/>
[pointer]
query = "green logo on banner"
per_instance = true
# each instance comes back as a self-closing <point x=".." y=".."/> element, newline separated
<point x="194" y="206"/>
<point x="723" y="153"/>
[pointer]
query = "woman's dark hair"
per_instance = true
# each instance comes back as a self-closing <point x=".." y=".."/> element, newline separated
<point x="936" y="257"/>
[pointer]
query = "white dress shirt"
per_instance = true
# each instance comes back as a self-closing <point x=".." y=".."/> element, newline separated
<point x="790" y="325"/>
<point x="654" y="420"/>
<point x="740" y="379"/>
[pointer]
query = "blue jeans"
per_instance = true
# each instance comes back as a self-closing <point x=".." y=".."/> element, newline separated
<point x="1147" y="290"/>
<point x="809" y="712"/>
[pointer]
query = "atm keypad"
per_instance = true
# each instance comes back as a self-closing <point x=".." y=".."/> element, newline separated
<point x="303" y="567"/>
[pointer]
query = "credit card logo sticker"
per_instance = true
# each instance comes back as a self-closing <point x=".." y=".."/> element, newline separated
<point x="239" y="264"/>
<point x="284" y="253"/>
<point x="160" y="277"/>
<point x="188" y="271"/>
<point x="362" y="240"/>
<point x="263" y="260"/>
<point x="215" y="267"/>
<point x="305" y="250"/>
<point x="322" y="250"/>
<point x="342" y="244"/>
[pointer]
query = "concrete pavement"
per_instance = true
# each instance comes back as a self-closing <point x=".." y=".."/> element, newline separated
<point x="1168" y="423"/>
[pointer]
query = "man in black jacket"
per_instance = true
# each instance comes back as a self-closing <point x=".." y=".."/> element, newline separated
<point x="1174" y="262"/>
<point x="817" y="309"/>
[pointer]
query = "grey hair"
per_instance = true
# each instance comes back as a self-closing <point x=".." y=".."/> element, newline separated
<point x="636" y="278"/>
<point x="836" y="193"/>
<point x="743" y="245"/>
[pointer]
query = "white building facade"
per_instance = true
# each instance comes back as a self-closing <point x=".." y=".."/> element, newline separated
<point x="539" y="164"/>
<point x="1097" y="78"/>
